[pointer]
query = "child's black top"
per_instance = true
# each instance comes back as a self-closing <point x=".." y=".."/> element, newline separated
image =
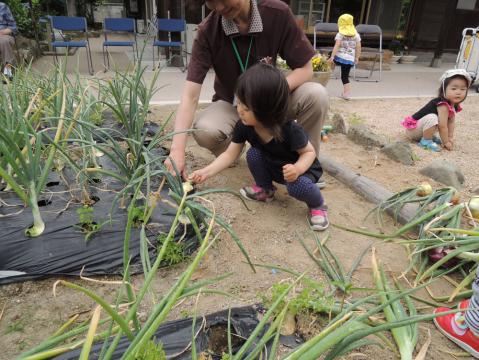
<point x="279" y="153"/>
<point x="431" y="108"/>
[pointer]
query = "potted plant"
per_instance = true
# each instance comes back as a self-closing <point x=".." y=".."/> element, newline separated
<point x="321" y="68"/>
<point x="406" y="58"/>
<point x="397" y="48"/>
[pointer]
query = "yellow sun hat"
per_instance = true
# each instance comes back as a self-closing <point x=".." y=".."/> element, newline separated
<point x="346" y="26"/>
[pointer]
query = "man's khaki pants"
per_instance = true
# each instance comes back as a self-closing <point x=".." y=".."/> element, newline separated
<point x="6" y="49"/>
<point x="309" y="106"/>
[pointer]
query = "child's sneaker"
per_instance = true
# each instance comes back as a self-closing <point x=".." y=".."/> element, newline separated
<point x="429" y="145"/>
<point x="319" y="219"/>
<point x="321" y="184"/>
<point x="257" y="193"/>
<point x="454" y="327"/>
<point x="436" y="139"/>
<point x="463" y="305"/>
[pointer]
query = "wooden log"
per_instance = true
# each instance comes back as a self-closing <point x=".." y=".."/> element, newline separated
<point x="367" y="188"/>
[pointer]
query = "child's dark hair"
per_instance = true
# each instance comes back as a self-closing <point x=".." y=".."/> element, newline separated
<point x="443" y="87"/>
<point x="265" y="91"/>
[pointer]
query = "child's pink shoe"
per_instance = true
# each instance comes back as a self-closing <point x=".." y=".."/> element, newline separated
<point x="257" y="193"/>
<point x="454" y="327"/>
<point x="319" y="219"/>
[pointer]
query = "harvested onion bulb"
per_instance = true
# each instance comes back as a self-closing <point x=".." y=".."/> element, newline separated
<point x="474" y="207"/>
<point x="424" y="189"/>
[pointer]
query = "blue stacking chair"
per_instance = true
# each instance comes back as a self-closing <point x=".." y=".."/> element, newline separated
<point x="71" y="23"/>
<point x="125" y="25"/>
<point x="170" y="26"/>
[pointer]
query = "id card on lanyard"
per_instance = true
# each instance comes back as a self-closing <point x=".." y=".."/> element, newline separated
<point x="242" y="65"/>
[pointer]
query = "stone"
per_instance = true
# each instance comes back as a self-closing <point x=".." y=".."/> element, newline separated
<point x="444" y="172"/>
<point x="400" y="151"/>
<point x="339" y="124"/>
<point x="362" y="135"/>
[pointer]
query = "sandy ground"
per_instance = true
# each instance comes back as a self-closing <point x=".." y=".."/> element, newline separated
<point x="270" y="234"/>
<point x="384" y="117"/>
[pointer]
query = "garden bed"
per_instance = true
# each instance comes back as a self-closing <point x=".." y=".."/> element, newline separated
<point x="270" y="234"/>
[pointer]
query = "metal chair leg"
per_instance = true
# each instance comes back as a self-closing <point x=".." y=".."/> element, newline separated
<point x="153" y="53"/>
<point x="89" y="59"/>
<point x="104" y="61"/>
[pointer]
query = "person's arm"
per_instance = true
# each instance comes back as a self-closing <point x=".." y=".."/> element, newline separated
<point x="11" y="25"/>
<point x="337" y="44"/>
<point x="300" y="75"/>
<point x="443" y="115"/>
<point x="220" y="163"/>
<point x="358" y="51"/>
<point x="183" y="121"/>
<point x="306" y="158"/>
<point x="451" y="124"/>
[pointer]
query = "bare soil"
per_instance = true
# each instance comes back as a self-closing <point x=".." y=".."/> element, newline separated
<point x="270" y="233"/>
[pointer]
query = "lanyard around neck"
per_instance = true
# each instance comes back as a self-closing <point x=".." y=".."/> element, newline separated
<point x="238" y="57"/>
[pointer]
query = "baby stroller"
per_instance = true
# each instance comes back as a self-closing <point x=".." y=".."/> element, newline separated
<point x="468" y="57"/>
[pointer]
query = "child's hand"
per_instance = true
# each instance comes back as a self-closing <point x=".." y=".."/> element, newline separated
<point x="449" y="145"/>
<point x="199" y="176"/>
<point x="290" y="172"/>
<point x="330" y="60"/>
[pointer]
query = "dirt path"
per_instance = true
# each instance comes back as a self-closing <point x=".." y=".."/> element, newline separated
<point x="270" y="233"/>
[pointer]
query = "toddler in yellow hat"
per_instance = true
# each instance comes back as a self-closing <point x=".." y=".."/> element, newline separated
<point x="346" y="51"/>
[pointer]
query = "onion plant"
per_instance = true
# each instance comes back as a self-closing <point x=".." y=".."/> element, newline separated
<point x="26" y="169"/>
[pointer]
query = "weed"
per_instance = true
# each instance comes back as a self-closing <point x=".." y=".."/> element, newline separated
<point x="184" y="314"/>
<point x="151" y="351"/>
<point x="138" y="214"/>
<point x="310" y="299"/>
<point x="174" y="253"/>
<point x="415" y="157"/>
<point x="355" y="119"/>
<point x="85" y="214"/>
<point x="86" y="223"/>
<point x="16" y="326"/>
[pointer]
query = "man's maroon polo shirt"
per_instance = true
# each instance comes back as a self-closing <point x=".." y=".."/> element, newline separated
<point x="213" y="48"/>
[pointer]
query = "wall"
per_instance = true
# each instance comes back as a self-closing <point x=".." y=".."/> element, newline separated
<point x="109" y="11"/>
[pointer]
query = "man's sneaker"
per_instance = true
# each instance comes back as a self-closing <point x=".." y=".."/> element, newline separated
<point x="7" y="72"/>
<point x="319" y="219"/>
<point x="257" y="193"/>
<point x="321" y="184"/>
<point x="429" y="145"/>
<point x="454" y="327"/>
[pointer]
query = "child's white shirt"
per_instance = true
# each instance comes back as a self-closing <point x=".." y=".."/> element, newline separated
<point x="347" y="47"/>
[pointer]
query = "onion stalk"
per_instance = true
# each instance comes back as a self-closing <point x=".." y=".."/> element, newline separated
<point x="405" y="336"/>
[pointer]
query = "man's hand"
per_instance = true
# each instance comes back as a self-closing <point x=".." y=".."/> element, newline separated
<point x="6" y="31"/>
<point x="290" y="172"/>
<point x="199" y="176"/>
<point x="178" y="157"/>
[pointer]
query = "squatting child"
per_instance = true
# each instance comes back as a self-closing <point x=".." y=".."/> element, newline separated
<point x="346" y="51"/>
<point x="439" y="114"/>
<point x="280" y="150"/>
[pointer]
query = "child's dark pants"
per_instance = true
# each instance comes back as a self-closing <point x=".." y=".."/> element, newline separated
<point x="303" y="189"/>
<point x="345" y="70"/>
